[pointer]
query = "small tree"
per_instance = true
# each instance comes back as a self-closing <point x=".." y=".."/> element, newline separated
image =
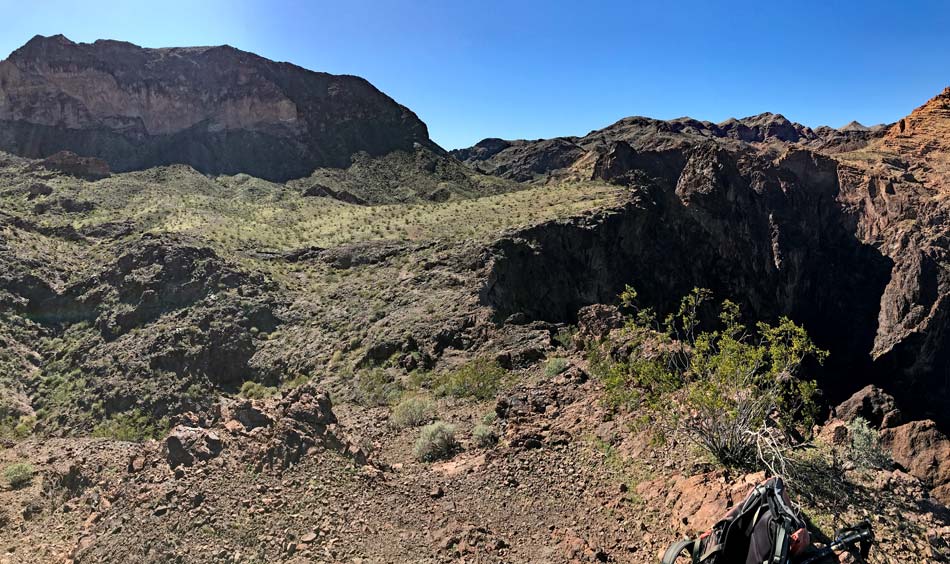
<point x="739" y="385"/>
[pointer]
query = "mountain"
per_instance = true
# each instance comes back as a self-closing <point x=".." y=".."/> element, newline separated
<point x="218" y="109"/>
<point x="573" y="157"/>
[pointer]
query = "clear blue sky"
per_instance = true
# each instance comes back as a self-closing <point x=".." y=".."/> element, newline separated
<point x="528" y="69"/>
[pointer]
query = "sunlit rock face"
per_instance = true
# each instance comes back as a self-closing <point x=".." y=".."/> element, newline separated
<point x="218" y="109"/>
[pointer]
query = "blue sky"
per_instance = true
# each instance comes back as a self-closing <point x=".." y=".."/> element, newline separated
<point x="531" y="69"/>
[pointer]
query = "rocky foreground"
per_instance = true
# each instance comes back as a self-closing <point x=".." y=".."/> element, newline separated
<point x="232" y="357"/>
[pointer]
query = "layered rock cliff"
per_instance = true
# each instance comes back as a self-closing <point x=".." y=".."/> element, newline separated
<point x="218" y="109"/>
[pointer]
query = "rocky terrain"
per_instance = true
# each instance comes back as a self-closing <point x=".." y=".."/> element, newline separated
<point x="215" y="353"/>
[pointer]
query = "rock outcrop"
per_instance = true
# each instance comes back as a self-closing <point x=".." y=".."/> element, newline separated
<point x="271" y="433"/>
<point x="218" y="109"/>
<point x="871" y="403"/>
<point x="71" y="164"/>
<point x="924" y="452"/>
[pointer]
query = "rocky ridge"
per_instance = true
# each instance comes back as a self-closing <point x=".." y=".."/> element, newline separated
<point x="562" y="158"/>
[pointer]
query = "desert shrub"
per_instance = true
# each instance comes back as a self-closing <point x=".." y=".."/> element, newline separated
<point x="256" y="390"/>
<point x="295" y="382"/>
<point x="24" y="426"/>
<point x="864" y="450"/>
<point x="736" y="385"/>
<point x="17" y="427"/>
<point x="555" y="366"/>
<point x="376" y="386"/>
<point x="436" y="441"/>
<point x="412" y="412"/>
<point x="481" y="379"/>
<point x="484" y="435"/>
<point x="565" y="336"/>
<point x="132" y="425"/>
<point x="18" y="474"/>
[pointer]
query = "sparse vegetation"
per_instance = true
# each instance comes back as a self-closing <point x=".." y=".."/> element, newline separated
<point x="436" y="441"/>
<point x="133" y="425"/>
<point x="484" y="435"/>
<point x="377" y="386"/>
<point x="256" y="390"/>
<point x="18" y="474"/>
<point x="412" y="411"/>
<point x="480" y="379"/>
<point x="565" y="336"/>
<point x="555" y="366"/>
<point x="864" y="449"/>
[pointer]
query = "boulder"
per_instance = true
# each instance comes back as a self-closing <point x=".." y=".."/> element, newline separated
<point x="873" y="404"/>
<point x="923" y="451"/>
<point x="246" y="414"/>
<point x="836" y="433"/>
<point x="185" y="446"/>
<point x="596" y="322"/>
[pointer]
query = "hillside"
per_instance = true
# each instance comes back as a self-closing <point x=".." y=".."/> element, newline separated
<point x="203" y="362"/>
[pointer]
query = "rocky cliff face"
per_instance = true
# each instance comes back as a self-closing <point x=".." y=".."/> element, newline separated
<point x="854" y="247"/>
<point x="218" y="109"/>
<point x="767" y="233"/>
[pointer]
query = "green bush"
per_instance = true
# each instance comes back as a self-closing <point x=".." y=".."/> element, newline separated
<point x="436" y="441"/>
<point x="864" y="450"/>
<point x="24" y="427"/>
<point x="555" y="366"/>
<point x="255" y="390"/>
<point x="132" y="425"/>
<point x="565" y="337"/>
<point x="19" y="474"/>
<point x="480" y="379"/>
<point x="484" y="436"/>
<point x="376" y="386"/>
<point x="412" y="412"/>
<point x="17" y="427"/>
<point x="730" y="381"/>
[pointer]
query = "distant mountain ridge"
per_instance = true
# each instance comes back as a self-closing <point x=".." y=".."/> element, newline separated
<point x="218" y="109"/>
<point x="528" y="160"/>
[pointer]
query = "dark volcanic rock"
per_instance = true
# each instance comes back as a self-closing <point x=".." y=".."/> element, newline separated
<point x="87" y="168"/>
<point x="573" y="156"/>
<point x="768" y="234"/>
<point x="218" y="109"/>
<point x="871" y="403"/>
<point x="186" y="445"/>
